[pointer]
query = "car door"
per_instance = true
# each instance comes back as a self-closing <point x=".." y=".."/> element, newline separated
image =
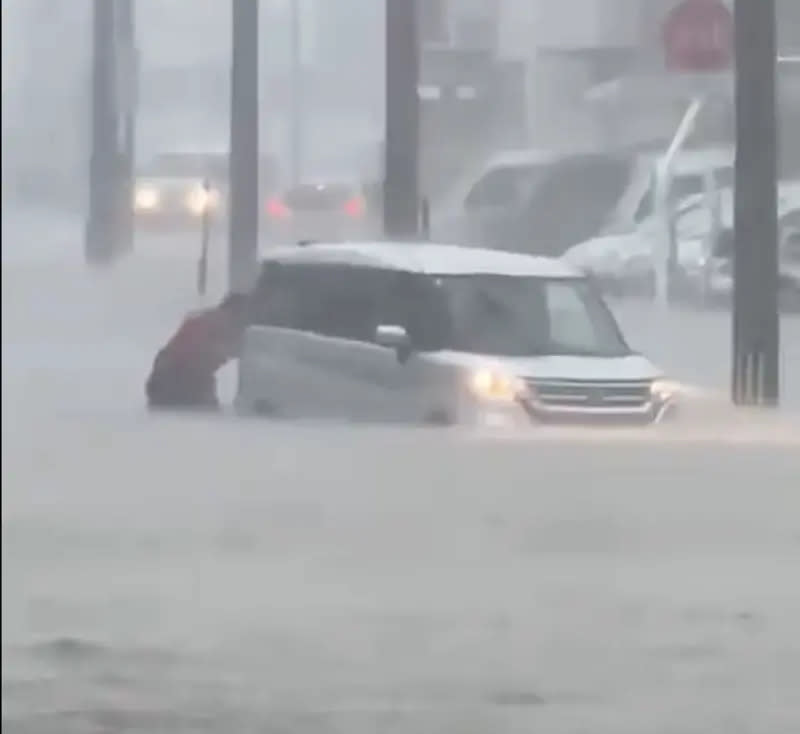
<point x="365" y="380"/>
<point x="416" y="386"/>
<point x="353" y="370"/>
<point x="372" y="380"/>
<point x="277" y="372"/>
<point x="311" y="350"/>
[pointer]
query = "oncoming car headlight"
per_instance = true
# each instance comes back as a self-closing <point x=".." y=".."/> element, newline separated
<point x="146" y="198"/>
<point x="489" y="384"/>
<point x="201" y="200"/>
<point x="663" y="390"/>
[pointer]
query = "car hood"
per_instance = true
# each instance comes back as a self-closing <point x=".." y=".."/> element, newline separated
<point x="619" y="254"/>
<point x="557" y="367"/>
<point x="608" y="250"/>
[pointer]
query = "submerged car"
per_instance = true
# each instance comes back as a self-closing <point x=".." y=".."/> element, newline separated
<point x="439" y="334"/>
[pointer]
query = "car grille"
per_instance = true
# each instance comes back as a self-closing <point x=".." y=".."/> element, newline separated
<point x="617" y="395"/>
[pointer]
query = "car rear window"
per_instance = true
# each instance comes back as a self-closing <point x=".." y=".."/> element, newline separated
<point x="318" y="196"/>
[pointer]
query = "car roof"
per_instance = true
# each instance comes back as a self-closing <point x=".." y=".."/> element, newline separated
<point x="521" y="158"/>
<point x="425" y="257"/>
<point x="525" y="157"/>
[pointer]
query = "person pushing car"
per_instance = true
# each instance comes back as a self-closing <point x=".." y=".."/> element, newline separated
<point x="183" y="375"/>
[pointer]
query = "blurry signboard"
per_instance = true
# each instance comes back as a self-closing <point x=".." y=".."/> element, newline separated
<point x="698" y="37"/>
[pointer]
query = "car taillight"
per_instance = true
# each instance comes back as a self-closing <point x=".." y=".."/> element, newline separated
<point x="277" y="209"/>
<point x="354" y="207"/>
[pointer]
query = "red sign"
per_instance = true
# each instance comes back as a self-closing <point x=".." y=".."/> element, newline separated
<point x="698" y="37"/>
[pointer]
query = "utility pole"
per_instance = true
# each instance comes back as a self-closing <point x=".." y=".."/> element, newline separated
<point x="297" y="123"/>
<point x="244" y="150"/>
<point x="101" y="230"/>
<point x="401" y="199"/>
<point x="756" y="323"/>
<point x="127" y="88"/>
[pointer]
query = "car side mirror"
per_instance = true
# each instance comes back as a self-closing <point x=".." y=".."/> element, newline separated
<point x="396" y="338"/>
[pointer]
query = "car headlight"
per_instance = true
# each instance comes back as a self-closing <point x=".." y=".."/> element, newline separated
<point x="146" y="198"/>
<point x="489" y="384"/>
<point x="663" y="390"/>
<point x="201" y="200"/>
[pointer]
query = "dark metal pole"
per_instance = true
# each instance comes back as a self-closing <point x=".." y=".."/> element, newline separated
<point x="128" y="60"/>
<point x="756" y="324"/>
<point x="401" y="153"/>
<point x="99" y="246"/>
<point x="296" y="131"/>
<point x="425" y="218"/>
<point x="243" y="210"/>
<point x="205" y="238"/>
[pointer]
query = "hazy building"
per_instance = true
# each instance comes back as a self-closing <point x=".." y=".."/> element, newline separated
<point x="571" y="47"/>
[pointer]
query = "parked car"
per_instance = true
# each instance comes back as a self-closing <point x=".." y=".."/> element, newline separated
<point x="625" y="264"/>
<point x="544" y="202"/>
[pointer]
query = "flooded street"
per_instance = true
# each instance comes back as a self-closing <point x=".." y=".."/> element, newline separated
<point x="216" y="575"/>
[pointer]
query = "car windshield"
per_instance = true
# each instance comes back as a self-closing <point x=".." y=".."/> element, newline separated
<point x="688" y="184"/>
<point x="504" y="186"/>
<point x="684" y="186"/>
<point x="528" y="316"/>
<point x="575" y="199"/>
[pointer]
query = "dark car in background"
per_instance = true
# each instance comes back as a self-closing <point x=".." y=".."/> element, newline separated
<point x="322" y="210"/>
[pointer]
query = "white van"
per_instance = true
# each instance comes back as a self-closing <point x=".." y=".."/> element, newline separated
<point x="441" y="334"/>
<point x="567" y="198"/>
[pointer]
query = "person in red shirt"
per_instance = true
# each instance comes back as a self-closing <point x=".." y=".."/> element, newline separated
<point x="184" y="371"/>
